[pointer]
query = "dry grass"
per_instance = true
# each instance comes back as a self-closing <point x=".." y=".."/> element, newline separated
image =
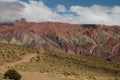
<point x="11" y="53"/>
<point x="72" y="67"/>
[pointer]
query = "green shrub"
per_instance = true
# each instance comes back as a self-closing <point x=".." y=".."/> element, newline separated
<point x="12" y="74"/>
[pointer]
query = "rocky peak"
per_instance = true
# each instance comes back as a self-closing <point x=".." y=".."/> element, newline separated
<point x="22" y="20"/>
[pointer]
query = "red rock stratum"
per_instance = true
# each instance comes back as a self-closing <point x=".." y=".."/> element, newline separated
<point x="100" y="41"/>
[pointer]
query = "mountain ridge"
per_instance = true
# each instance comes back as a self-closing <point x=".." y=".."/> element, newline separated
<point x="101" y="41"/>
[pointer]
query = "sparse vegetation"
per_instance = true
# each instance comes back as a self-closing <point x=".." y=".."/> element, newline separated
<point x="80" y="67"/>
<point x="10" y="53"/>
<point x="71" y="66"/>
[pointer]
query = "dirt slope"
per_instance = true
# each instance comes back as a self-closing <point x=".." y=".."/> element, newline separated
<point x="27" y="75"/>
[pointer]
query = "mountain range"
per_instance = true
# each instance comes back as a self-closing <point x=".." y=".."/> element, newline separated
<point x="94" y="40"/>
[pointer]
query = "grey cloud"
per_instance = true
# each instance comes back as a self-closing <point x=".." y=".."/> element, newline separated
<point x="10" y="11"/>
<point x="9" y="0"/>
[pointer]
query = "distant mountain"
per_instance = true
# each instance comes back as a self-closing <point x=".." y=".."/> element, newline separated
<point x="97" y="41"/>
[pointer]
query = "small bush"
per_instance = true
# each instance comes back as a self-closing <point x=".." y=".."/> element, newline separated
<point x="12" y="74"/>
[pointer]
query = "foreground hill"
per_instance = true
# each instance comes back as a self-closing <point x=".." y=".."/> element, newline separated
<point x="71" y="67"/>
<point x="52" y="65"/>
<point x="99" y="41"/>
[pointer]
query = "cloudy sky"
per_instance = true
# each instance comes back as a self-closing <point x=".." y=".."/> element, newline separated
<point x="69" y="11"/>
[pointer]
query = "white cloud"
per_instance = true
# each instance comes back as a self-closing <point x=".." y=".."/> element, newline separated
<point x="61" y="8"/>
<point x="98" y="14"/>
<point x="38" y="11"/>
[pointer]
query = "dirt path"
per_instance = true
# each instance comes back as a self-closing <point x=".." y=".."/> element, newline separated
<point x="28" y="75"/>
<point x="26" y="58"/>
<point x="37" y="76"/>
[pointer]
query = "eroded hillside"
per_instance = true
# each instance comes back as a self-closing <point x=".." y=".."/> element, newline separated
<point x="99" y="41"/>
